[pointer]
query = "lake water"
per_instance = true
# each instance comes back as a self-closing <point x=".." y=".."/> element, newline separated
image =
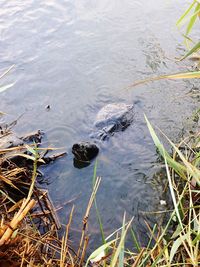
<point x="77" y="56"/>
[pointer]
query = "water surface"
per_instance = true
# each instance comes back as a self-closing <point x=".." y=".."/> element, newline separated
<point x="77" y="56"/>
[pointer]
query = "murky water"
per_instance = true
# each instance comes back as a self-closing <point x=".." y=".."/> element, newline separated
<point x="77" y="56"/>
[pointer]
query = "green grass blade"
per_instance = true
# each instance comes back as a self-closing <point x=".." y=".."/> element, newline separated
<point x="158" y="258"/>
<point x="94" y="173"/>
<point x="180" y="20"/>
<point x="173" y="194"/>
<point x="179" y="168"/>
<point x="194" y="49"/>
<point x="100" y="223"/>
<point x="193" y="19"/>
<point x="135" y="241"/>
<point x="117" y="252"/>
<point x="177" y="243"/>
<point x="96" y="207"/>
<point x="99" y="250"/>
<point x="30" y="149"/>
<point x="191" y="169"/>
<point x="151" y="237"/>
<point x="113" y="233"/>
<point x="121" y="254"/>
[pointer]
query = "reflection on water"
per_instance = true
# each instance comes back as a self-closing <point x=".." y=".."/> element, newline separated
<point x="77" y="56"/>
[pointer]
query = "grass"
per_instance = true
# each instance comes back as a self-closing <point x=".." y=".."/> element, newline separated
<point x="175" y="244"/>
<point x="178" y="242"/>
<point x="21" y="242"/>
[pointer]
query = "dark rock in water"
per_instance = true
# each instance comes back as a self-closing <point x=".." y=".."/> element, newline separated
<point x="85" y="151"/>
<point x="81" y="164"/>
<point x="112" y="118"/>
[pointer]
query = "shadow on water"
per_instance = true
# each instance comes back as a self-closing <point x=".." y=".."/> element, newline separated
<point x="76" y="57"/>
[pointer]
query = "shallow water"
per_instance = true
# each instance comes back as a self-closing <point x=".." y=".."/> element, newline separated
<point x="77" y="56"/>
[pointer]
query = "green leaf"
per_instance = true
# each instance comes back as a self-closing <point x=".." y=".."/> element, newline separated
<point x="121" y="253"/>
<point x="99" y="250"/>
<point x="193" y="19"/>
<point x="121" y="244"/>
<point x="173" y="195"/>
<point x="197" y="239"/>
<point x="176" y="232"/>
<point x="151" y="237"/>
<point x="135" y="240"/>
<point x="179" y="168"/>
<point x="14" y="234"/>
<point x="176" y="246"/>
<point x="96" y="207"/>
<point x="113" y="233"/>
<point x="31" y="150"/>
<point x="185" y="13"/>
<point x="194" y="49"/>
<point x="191" y="169"/>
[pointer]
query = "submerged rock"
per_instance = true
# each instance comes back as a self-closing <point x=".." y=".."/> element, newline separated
<point x="85" y="151"/>
<point x="80" y="164"/>
<point x="112" y="118"/>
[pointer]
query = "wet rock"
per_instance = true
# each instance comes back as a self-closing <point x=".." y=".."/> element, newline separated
<point x="85" y="151"/>
<point x="80" y="164"/>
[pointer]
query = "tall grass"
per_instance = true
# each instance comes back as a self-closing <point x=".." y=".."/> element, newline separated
<point x="178" y="242"/>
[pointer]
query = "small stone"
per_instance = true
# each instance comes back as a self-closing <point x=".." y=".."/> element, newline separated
<point x="163" y="202"/>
